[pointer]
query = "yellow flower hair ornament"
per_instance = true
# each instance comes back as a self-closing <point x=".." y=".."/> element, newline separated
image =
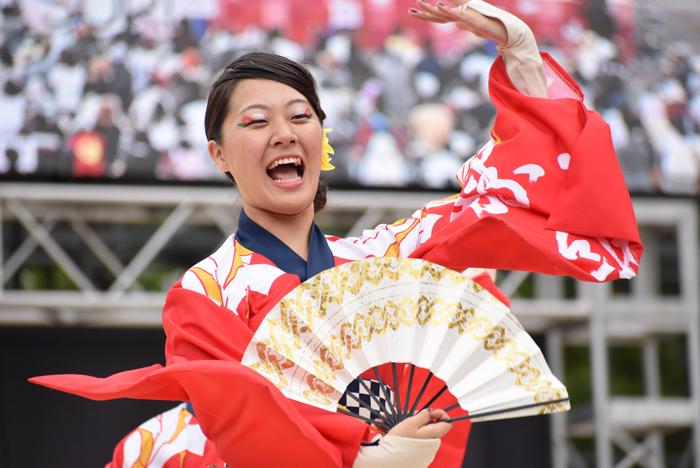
<point x="326" y="161"/>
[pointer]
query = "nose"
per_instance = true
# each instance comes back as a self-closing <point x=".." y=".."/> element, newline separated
<point x="283" y="135"/>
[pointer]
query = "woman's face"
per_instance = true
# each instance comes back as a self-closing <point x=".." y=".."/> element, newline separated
<point x="271" y="143"/>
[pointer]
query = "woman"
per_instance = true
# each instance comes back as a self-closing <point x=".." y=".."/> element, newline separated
<point x="544" y="195"/>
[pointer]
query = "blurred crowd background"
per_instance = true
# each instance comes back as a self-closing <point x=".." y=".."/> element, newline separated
<point x="116" y="89"/>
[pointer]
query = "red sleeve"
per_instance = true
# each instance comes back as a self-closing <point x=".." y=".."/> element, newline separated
<point x="246" y="417"/>
<point x="179" y="459"/>
<point x="545" y="195"/>
<point x="197" y="329"/>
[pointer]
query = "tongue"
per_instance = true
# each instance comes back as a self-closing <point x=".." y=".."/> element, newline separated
<point x="284" y="171"/>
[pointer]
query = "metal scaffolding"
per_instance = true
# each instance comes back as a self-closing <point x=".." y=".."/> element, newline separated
<point x="595" y="317"/>
<point x="635" y="425"/>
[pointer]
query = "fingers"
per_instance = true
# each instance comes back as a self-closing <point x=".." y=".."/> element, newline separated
<point x="435" y="10"/>
<point x="409" y="427"/>
<point x="434" y="431"/>
<point x="437" y="429"/>
<point x="447" y="15"/>
<point x="429" y="13"/>
<point x="458" y="2"/>
<point x="466" y="20"/>
<point x="427" y="416"/>
<point x="426" y="17"/>
<point x="480" y="25"/>
<point x="423" y="418"/>
<point x="439" y="414"/>
<point x="421" y="425"/>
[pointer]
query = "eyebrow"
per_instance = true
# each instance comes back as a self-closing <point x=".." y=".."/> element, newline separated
<point x="263" y="106"/>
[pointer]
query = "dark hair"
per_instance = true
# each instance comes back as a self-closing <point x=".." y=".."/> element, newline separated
<point x="261" y="65"/>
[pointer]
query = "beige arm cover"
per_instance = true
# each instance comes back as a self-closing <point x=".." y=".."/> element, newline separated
<point x="395" y="451"/>
<point x="521" y="56"/>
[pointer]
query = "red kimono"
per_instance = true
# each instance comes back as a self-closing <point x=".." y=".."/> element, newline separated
<point x="545" y="194"/>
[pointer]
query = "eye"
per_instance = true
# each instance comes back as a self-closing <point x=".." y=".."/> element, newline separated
<point x="251" y="122"/>
<point x="307" y="114"/>
<point x="256" y="119"/>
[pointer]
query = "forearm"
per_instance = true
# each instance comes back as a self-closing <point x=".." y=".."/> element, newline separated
<point x="520" y="54"/>
<point x="394" y="451"/>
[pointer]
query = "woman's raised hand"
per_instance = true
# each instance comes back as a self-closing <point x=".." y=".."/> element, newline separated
<point x="419" y="427"/>
<point x="465" y="19"/>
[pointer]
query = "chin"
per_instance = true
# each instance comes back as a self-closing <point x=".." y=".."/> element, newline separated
<point x="293" y="205"/>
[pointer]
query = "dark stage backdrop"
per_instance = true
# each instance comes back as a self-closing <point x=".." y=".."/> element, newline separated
<point x="42" y="428"/>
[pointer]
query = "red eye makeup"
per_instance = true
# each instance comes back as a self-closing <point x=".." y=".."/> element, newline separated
<point x="307" y="114"/>
<point x="247" y="120"/>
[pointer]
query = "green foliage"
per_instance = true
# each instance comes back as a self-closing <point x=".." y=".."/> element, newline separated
<point x="570" y="291"/>
<point x="677" y="441"/>
<point x="673" y="363"/>
<point x="527" y="288"/>
<point x="626" y="371"/>
<point x="578" y="374"/>
<point x="586" y="447"/>
<point x="621" y="287"/>
<point x="34" y="278"/>
<point x="160" y="278"/>
<point x="668" y="264"/>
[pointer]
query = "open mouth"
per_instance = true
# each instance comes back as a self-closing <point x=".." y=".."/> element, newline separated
<point x="286" y="170"/>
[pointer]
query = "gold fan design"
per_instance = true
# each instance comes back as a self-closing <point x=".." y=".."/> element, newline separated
<point x="405" y="312"/>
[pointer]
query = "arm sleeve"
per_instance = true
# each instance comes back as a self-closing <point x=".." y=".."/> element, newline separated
<point x="202" y="331"/>
<point x="520" y="55"/>
<point x="236" y="407"/>
<point x="545" y="194"/>
<point x="394" y="451"/>
<point x="173" y="436"/>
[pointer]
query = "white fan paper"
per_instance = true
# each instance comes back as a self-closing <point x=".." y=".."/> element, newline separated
<point x="346" y="320"/>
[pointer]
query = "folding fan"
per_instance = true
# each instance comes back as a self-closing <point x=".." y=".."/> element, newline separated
<point x="335" y="326"/>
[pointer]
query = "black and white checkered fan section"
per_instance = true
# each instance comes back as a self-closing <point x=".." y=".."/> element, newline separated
<point x="359" y="391"/>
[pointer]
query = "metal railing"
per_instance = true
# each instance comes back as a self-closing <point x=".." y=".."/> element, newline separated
<point x="595" y="317"/>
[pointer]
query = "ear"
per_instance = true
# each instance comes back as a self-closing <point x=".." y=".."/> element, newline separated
<point x="216" y="153"/>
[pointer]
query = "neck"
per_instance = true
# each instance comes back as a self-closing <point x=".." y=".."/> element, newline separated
<point x="294" y="230"/>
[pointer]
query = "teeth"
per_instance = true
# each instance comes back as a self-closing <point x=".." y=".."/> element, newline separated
<point x="295" y="160"/>
<point x="287" y="181"/>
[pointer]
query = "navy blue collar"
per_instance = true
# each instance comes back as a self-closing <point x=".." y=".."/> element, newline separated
<point x="254" y="237"/>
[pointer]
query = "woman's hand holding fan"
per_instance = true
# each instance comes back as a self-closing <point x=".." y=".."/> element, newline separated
<point x="413" y="316"/>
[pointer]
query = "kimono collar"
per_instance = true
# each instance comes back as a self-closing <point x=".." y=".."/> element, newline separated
<point x="254" y="237"/>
